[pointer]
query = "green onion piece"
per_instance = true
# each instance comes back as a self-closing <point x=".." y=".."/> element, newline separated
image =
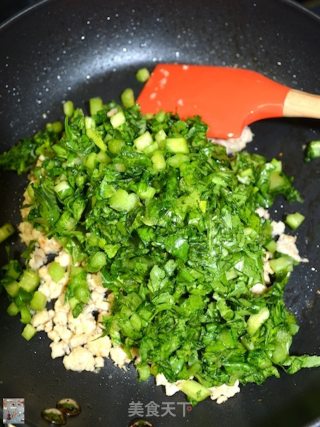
<point x="143" y="371"/>
<point x="102" y="157"/>
<point x="272" y="246"/>
<point x="96" y="262"/>
<point x="142" y="75"/>
<point x="63" y="189"/>
<point x="177" y="160"/>
<point x="294" y="220"/>
<point x="151" y="149"/>
<point x="12" y="288"/>
<point x="82" y="293"/>
<point x="312" y="151"/>
<point x="123" y="201"/>
<point x="194" y="390"/>
<point x="29" y="281"/>
<point x="127" y="98"/>
<point x="143" y="141"/>
<point x="38" y="301"/>
<point x="6" y="230"/>
<point x="158" y="160"/>
<point x="203" y="205"/>
<point x="120" y="167"/>
<point x="91" y="161"/>
<point x="13" y="309"/>
<point x="95" y="105"/>
<point x="282" y="264"/>
<point x="96" y="138"/>
<point x="25" y="315"/>
<point x="145" y="192"/>
<point x="277" y="182"/>
<point x="56" y="271"/>
<point x="177" y="145"/>
<point x="117" y="119"/>
<point x="73" y="302"/>
<point x="160" y="135"/>
<point x="60" y="151"/>
<point x="160" y="117"/>
<point x="115" y="145"/>
<point x="89" y="123"/>
<point x="28" y="332"/>
<point x="68" y="108"/>
<point x="55" y="127"/>
<point x="255" y="321"/>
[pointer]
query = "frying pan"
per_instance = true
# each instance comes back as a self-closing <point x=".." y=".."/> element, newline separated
<point x="73" y="49"/>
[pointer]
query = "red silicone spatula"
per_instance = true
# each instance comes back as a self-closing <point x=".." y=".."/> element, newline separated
<point x="227" y="99"/>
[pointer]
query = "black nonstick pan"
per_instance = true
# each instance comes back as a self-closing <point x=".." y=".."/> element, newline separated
<point x="76" y="49"/>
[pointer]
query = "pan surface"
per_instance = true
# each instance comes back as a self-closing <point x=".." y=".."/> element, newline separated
<point x="76" y="49"/>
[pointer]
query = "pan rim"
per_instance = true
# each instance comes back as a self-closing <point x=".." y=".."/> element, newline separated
<point x="11" y="20"/>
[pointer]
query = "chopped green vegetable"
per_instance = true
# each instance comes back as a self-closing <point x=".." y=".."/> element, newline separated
<point x="13" y="309"/>
<point x="29" y="281"/>
<point x="12" y="288"/>
<point x="6" y="230"/>
<point x="55" y="127"/>
<point x="38" y="301"/>
<point x="312" y="151"/>
<point x="95" y="105"/>
<point x="194" y="390"/>
<point x="255" y="321"/>
<point x="117" y="119"/>
<point x="283" y="264"/>
<point x="142" y="75"/>
<point x="294" y="220"/>
<point x="143" y="141"/>
<point x="127" y="98"/>
<point x="25" y="315"/>
<point x="56" y="271"/>
<point x="96" y="262"/>
<point x="68" y="108"/>
<point x="169" y="221"/>
<point x="96" y="138"/>
<point x="122" y="201"/>
<point x="177" y="145"/>
<point x="28" y="332"/>
<point x="158" y="160"/>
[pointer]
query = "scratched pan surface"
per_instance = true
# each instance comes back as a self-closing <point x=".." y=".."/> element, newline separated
<point x="73" y="49"/>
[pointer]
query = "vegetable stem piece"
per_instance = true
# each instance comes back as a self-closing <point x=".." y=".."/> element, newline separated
<point x="6" y="230"/>
<point x="194" y="390"/>
<point x="312" y="151"/>
<point x="255" y="321"/>
<point x="294" y="220"/>
<point x="29" y="281"/>
<point x="38" y="301"/>
<point x="95" y="105"/>
<point x="28" y="332"/>
<point x="117" y="119"/>
<point x="127" y="98"/>
<point x="177" y="145"/>
<point x="142" y="75"/>
<point x="68" y="108"/>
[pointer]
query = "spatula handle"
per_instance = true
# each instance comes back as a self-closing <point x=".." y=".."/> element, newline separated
<point x="301" y="104"/>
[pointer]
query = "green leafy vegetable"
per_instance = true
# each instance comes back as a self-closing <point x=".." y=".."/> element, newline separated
<point x="169" y="221"/>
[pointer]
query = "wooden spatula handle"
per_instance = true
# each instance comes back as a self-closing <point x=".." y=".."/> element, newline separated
<point x="301" y="104"/>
